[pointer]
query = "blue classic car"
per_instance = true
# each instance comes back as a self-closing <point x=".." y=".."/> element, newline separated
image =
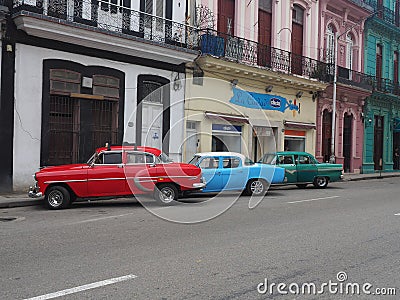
<point x="230" y="171"/>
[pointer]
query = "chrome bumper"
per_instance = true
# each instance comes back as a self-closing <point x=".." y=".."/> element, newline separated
<point x="33" y="192"/>
<point x="199" y="185"/>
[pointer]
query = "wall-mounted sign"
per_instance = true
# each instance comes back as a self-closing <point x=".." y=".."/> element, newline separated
<point x="263" y="101"/>
<point x="227" y="128"/>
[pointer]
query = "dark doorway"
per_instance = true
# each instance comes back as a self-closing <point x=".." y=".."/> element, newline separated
<point x="326" y="135"/>
<point x="218" y="145"/>
<point x="347" y="141"/>
<point x="378" y="141"/>
<point x="396" y="147"/>
<point x="379" y="59"/>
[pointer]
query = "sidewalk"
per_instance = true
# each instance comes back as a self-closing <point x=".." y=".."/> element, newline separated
<point x="18" y="199"/>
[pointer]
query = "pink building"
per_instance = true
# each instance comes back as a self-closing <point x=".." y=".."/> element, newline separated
<point x="343" y="21"/>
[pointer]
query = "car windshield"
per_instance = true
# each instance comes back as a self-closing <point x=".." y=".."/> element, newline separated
<point x="164" y="158"/>
<point x="92" y="158"/>
<point x="248" y="162"/>
<point x="194" y="160"/>
<point x="268" y="159"/>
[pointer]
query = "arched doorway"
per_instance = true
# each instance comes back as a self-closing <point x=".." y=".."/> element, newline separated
<point x="347" y="141"/>
<point x="326" y="134"/>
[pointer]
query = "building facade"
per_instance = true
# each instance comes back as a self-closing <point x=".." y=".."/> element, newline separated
<point x="342" y="34"/>
<point x="382" y="108"/>
<point x="81" y="73"/>
<point x="263" y="49"/>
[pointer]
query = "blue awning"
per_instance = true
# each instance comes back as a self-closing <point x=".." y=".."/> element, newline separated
<point x="396" y="127"/>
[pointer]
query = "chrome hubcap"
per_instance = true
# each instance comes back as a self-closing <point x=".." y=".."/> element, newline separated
<point x="167" y="195"/>
<point x="321" y="181"/>
<point x="257" y="187"/>
<point x="55" y="198"/>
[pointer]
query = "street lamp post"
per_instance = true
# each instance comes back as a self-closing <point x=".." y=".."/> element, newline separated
<point x="333" y="157"/>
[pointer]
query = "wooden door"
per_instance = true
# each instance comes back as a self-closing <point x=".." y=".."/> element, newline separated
<point x="326" y="135"/>
<point x="347" y="141"/>
<point x="264" y="38"/>
<point x="297" y="48"/>
<point x="226" y="17"/>
<point x="378" y="141"/>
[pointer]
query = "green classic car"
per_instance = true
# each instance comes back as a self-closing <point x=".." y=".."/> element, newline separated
<point x="301" y="168"/>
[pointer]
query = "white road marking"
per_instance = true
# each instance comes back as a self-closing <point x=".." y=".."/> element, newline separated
<point x="316" y="199"/>
<point x="84" y="287"/>
<point x="397" y="214"/>
<point x="102" y="218"/>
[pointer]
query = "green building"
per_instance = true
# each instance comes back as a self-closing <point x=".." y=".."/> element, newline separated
<point x="382" y="108"/>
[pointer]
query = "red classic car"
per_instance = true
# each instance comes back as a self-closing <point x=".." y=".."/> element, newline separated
<point x="117" y="171"/>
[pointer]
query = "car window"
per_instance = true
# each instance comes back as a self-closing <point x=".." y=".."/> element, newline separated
<point x="285" y="159"/>
<point x="230" y="162"/>
<point x="109" y="158"/>
<point x="139" y="158"/>
<point x="194" y="160"/>
<point x="303" y="160"/>
<point x="268" y="159"/>
<point x="209" y="163"/>
<point x="248" y="162"/>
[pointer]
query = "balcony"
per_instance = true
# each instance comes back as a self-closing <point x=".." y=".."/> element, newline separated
<point x="354" y="78"/>
<point x="108" y="27"/>
<point x="386" y="86"/>
<point x="386" y="14"/>
<point x="251" y="53"/>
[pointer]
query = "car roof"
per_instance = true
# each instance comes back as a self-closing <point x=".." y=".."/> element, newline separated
<point x="221" y="154"/>
<point x="151" y="150"/>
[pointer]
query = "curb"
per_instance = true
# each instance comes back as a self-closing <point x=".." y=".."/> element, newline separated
<point x="372" y="177"/>
<point x="21" y="203"/>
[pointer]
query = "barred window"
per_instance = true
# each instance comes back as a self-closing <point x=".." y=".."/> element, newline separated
<point x="152" y="91"/>
<point x="64" y="81"/>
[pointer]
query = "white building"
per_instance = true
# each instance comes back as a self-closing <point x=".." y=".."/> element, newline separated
<point x="81" y="69"/>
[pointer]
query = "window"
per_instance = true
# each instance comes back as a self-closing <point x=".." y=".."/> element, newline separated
<point x="298" y="14"/>
<point x="349" y="51"/>
<point x="64" y="82"/>
<point x="139" y="158"/>
<point x="265" y="5"/>
<point x="106" y="86"/>
<point x="152" y="92"/>
<point x="330" y="44"/>
<point x="303" y="160"/>
<point x="285" y="159"/>
<point x="109" y="158"/>
<point x="230" y="162"/>
<point x="209" y="163"/>
<point x="396" y="68"/>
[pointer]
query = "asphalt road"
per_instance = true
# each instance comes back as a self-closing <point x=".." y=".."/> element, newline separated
<point x="119" y="250"/>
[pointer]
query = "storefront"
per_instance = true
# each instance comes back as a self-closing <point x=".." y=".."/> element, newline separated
<point x="249" y="110"/>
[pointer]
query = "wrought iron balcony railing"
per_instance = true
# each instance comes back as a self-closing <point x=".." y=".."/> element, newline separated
<point x="387" y="86"/>
<point x="110" y="17"/>
<point x="354" y="78"/>
<point x="384" y="13"/>
<point x="253" y="53"/>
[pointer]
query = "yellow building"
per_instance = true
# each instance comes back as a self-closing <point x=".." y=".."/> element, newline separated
<point x="247" y="109"/>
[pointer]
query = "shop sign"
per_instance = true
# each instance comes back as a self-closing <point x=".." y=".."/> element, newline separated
<point x="227" y="128"/>
<point x="263" y="101"/>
